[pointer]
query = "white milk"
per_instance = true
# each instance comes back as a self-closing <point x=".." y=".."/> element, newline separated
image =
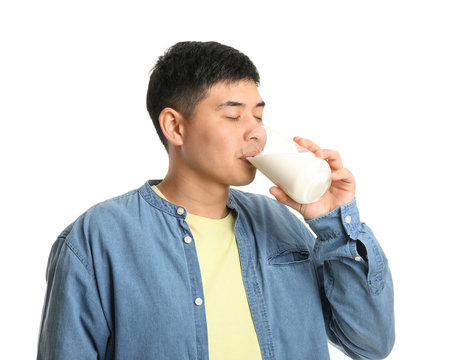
<point x="303" y="176"/>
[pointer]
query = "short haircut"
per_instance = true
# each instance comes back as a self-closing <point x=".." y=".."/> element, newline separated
<point x="183" y="76"/>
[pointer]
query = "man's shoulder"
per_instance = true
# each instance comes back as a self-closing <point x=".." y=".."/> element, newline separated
<point x="115" y="207"/>
<point x="104" y="220"/>
<point x="117" y="204"/>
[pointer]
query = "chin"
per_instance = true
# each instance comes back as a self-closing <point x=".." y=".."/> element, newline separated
<point x="245" y="180"/>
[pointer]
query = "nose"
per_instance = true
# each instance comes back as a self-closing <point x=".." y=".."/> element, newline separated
<point x="257" y="135"/>
<point x="253" y="135"/>
<point x="252" y="124"/>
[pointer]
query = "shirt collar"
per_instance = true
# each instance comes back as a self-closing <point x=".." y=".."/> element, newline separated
<point x="172" y="209"/>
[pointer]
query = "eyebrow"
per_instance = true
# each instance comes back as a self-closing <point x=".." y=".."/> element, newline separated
<point x="236" y="103"/>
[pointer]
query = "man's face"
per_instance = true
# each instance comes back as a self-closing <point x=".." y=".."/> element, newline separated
<point x="217" y="134"/>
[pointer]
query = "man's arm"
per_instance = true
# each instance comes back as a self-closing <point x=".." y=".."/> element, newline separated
<point x="357" y="292"/>
<point x="355" y="281"/>
<point x="72" y="325"/>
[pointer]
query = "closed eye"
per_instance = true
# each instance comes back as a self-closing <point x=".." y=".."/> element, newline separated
<point x="236" y="118"/>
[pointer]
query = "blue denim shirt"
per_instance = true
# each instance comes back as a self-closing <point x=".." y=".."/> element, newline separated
<point x="123" y="280"/>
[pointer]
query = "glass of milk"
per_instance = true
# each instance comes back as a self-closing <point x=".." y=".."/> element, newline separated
<point x="296" y="170"/>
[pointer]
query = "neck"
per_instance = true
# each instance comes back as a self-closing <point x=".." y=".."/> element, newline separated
<point x="199" y="196"/>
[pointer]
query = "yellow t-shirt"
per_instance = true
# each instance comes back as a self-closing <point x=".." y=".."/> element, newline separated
<point x="231" y="331"/>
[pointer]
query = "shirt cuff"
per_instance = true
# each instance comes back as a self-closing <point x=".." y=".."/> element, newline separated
<point x="343" y="220"/>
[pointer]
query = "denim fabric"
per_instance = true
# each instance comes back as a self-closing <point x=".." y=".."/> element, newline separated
<point x="123" y="283"/>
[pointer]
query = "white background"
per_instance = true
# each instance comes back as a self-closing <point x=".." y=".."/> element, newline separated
<point x="373" y="80"/>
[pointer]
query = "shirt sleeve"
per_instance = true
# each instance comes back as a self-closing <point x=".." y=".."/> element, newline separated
<point x="357" y="292"/>
<point x="72" y="325"/>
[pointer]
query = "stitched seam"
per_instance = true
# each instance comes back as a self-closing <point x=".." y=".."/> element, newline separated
<point x="85" y="264"/>
<point x="79" y="256"/>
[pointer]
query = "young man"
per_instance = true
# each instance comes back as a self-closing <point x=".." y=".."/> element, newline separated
<point x="188" y="268"/>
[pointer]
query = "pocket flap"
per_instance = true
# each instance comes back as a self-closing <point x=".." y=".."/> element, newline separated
<point x="289" y="256"/>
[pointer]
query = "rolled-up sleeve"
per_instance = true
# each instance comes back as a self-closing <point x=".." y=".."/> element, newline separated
<point x="356" y="283"/>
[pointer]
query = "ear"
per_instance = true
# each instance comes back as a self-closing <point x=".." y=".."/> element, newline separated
<point x="172" y="125"/>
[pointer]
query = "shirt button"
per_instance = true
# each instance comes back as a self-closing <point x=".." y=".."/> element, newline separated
<point x="198" y="301"/>
<point x="358" y="258"/>
<point x="180" y="211"/>
<point x="187" y="239"/>
<point x="348" y="219"/>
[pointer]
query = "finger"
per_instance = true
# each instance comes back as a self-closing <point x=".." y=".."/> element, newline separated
<point x="344" y="175"/>
<point x="306" y="143"/>
<point x="332" y="156"/>
<point x="283" y="198"/>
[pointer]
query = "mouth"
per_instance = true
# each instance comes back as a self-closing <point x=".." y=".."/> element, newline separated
<point x="249" y="154"/>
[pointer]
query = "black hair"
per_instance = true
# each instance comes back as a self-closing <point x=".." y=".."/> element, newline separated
<point x="182" y="76"/>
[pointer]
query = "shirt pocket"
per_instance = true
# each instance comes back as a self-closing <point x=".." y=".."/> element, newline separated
<point x="289" y="257"/>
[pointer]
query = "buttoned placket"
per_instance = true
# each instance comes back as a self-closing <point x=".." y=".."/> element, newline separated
<point x="195" y="279"/>
<point x="254" y="293"/>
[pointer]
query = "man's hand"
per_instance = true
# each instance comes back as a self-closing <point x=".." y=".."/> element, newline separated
<point x="341" y="192"/>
